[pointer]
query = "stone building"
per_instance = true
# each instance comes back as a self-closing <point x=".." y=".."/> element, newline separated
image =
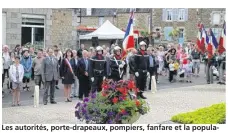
<point x="164" y="20"/>
<point x="39" y="27"/>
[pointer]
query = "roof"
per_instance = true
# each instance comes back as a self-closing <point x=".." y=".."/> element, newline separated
<point x="111" y="11"/>
<point x="105" y="31"/>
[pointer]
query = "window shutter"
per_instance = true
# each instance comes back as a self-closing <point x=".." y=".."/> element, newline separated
<point x="175" y="14"/>
<point x="186" y="14"/>
<point x="164" y="14"/>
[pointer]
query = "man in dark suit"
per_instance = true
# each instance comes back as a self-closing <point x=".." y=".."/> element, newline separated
<point x="83" y="75"/>
<point x="49" y="72"/>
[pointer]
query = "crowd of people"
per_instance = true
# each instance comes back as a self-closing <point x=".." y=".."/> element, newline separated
<point x="82" y="71"/>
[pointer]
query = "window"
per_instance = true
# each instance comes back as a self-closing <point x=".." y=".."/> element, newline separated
<point x="101" y="20"/>
<point x="216" y="18"/>
<point x="32" y="30"/>
<point x="88" y="11"/>
<point x="181" y="14"/>
<point x="181" y="32"/>
<point x="181" y="36"/>
<point x="169" y="15"/>
<point x="3" y="28"/>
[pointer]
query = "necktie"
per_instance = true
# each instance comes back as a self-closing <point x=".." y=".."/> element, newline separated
<point x="151" y="61"/>
<point x="51" y="59"/>
<point x="86" y="63"/>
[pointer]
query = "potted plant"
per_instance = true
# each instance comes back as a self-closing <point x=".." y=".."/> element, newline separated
<point x="117" y="103"/>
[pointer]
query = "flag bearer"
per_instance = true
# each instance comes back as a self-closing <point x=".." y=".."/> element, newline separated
<point x="222" y="67"/>
<point x="116" y="65"/>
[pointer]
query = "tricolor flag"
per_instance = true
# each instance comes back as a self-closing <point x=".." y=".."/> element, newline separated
<point x="214" y="41"/>
<point x="200" y="39"/>
<point x="128" y="41"/>
<point x="204" y="39"/>
<point x="222" y="40"/>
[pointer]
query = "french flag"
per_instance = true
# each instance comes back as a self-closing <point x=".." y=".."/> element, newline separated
<point x="213" y="41"/>
<point x="129" y="41"/>
<point x="199" y="38"/>
<point x="204" y="39"/>
<point x="222" y="40"/>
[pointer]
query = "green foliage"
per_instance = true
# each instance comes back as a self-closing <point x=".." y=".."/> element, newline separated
<point x="215" y="114"/>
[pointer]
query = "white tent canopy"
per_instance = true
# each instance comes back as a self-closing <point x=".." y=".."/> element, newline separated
<point x="106" y="31"/>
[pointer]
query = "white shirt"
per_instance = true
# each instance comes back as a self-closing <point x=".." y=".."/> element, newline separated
<point x="6" y="58"/>
<point x="13" y="72"/>
<point x="171" y="67"/>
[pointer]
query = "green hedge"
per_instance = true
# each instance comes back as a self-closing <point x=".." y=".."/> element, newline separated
<point x="215" y="114"/>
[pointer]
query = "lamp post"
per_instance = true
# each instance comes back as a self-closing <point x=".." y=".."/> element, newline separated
<point x="151" y="27"/>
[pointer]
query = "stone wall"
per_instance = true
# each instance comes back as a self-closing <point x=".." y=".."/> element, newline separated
<point x="63" y="29"/>
<point x="94" y="21"/>
<point x="142" y="21"/>
<point x="60" y="25"/>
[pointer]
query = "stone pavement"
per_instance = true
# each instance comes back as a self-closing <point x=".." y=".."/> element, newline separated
<point x="164" y="104"/>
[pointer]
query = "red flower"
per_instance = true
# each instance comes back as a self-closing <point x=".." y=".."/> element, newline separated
<point x="137" y="102"/>
<point x="122" y="111"/>
<point x="104" y="94"/>
<point x="105" y="86"/>
<point x="123" y="91"/>
<point x="115" y="100"/>
<point x="131" y="85"/>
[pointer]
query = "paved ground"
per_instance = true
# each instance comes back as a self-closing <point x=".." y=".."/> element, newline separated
<point x="26" y="98"/>
<point x="170" y="99"/>
<point x="164" y="104"/>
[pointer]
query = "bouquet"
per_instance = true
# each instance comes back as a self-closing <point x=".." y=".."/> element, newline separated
<point x="117" y="103"/>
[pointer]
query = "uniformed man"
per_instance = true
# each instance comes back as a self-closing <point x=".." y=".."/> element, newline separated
<point x="222" y="67"/>
<point x="116" y="65"/>
<point x="98" y="69"/>
<point x="141" y="68"/>
<point x="209" y="71"/>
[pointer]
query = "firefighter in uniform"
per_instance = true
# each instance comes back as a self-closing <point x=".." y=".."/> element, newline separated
<point x="116" y="65"/>
<point x="98" y="69"/>
<point x="141" y="68"/>
<point x="209" y="72"/>
<point x="222" y="67"/>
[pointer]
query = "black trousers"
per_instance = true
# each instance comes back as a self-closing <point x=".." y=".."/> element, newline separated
<point x="96" y="84"/>
<point x="141" y="80"/>
<point x="5" y="72"/>
<point x="115" y="76"/>
<point x="153" y="72"/>
<point x="32" y="76"/>
<point x="84" y="86"/>
<point x="171" y="73"/>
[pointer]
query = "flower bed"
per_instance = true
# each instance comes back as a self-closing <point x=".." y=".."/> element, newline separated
<point x="215" y="114"/>
<point x="117" y="103"/>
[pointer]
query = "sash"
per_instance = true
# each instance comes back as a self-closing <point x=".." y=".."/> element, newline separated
<point x="69" y="65"/>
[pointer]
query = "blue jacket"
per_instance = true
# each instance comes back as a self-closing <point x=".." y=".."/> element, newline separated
<point x="27" y="64"/>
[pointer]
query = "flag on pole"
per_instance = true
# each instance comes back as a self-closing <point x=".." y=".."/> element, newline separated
<point x="200" y="39"/>
<point x="222" y="40"/>
<point x="210" y="49"/>
<point x="214" y="40"/>
<point x="128" y="41"/>
<point x="204" y="40"/>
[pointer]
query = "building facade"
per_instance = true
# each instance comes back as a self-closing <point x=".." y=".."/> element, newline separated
<point x="164" y="20"/>
<point x="39" y="27"/>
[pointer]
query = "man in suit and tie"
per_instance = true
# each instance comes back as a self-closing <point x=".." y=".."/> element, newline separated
<point x="83" y="76"/>
<point x="49" y="72"/>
